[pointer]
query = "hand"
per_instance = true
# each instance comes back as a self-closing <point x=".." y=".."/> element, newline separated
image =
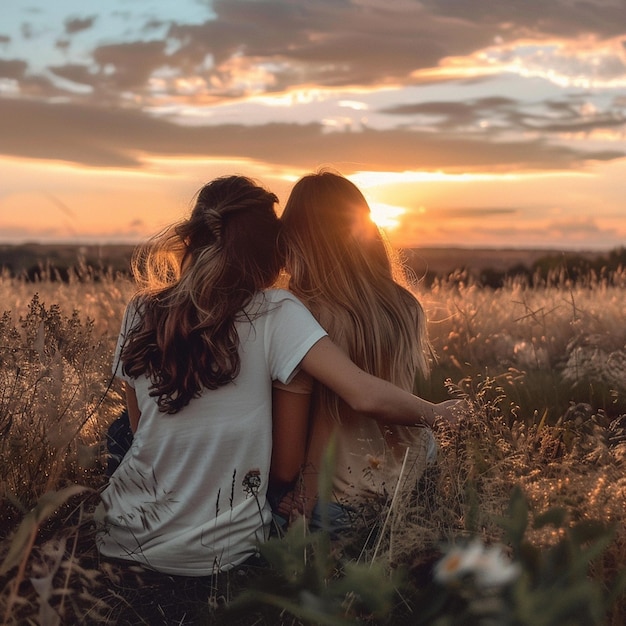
<point x="450" y="410"/>
<point x="291" y="506"/>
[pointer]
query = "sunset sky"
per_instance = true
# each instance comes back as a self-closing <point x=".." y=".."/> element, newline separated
<point x="477" y="123"/>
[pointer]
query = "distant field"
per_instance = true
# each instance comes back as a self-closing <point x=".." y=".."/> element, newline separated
<point x="21" y="258"/>
<point x="446" y="260"/>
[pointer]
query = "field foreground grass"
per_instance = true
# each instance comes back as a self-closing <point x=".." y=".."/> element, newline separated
<point x="536" y="468"/>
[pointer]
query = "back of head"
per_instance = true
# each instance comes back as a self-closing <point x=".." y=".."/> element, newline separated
<point x="197" y="276"/>
<point x="329" y="234"/>
<point x="342" y="268"/>
<point x="231" y="237"/>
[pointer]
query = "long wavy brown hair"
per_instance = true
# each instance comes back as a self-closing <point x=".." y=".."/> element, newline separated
<point x="342" y="268"/>
<point x="195" y="278"/>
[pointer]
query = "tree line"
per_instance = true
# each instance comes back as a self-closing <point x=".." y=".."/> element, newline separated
<point x="64" y="262"/>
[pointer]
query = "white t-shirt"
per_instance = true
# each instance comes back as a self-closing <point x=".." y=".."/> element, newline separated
<point x="189" y="496"/>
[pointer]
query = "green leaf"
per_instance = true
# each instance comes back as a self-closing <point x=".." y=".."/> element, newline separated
<point x="516" y="522"/>
<point x="287" y="555"/>
<point x="310" y="608"/>
<point x="327" y="473"/>
<point x="370" y="583"/>
<point x="589" y="530"/>
<point x="552" y="517"/>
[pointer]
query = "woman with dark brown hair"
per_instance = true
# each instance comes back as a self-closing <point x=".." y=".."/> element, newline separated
<point x="200" y="346"/>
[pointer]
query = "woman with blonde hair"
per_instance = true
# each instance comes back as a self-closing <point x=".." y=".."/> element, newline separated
<point x="199" y="348"/>
<point x="341" y="268"/>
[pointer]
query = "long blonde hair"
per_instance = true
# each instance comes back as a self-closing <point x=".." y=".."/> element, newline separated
<point x="195" y="278"/>
<point x="342" y="269"/>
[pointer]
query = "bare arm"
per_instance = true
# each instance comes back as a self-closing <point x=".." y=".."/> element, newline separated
<point x="133" y="407"/>
<point x="290" y="423"/>
<point x="367" y="394"/>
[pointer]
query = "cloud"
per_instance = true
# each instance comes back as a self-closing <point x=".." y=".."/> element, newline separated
<point x="107" y="137"/>
<point x="452" y="109"/>
<point x="576" y="125"/>
<point x="566" y="234"/>
<point x="72" y="133"/>
<point x="333" y="44"/>
<point x="459" y="116"/>
<point x="27" y="31"/>
<point x="62" y="44"/>
<point x="245" y="47"/>
<point x="130" y="65"/>
<point x="573" y="233"/>
<point x="577" y="226"/>
<point x="499" y="115"/>
<point x="14" y="69"/>
<point x="326" y="43"/>
<point x="472" y="212"/>
<point x="75" y="73"/>
<point x="563" y="18"/>
<point x="77" y="24"/>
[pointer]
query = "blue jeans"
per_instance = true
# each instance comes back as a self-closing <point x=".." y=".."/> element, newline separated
<point x="119" y="440"/>
<point x="340" y="519"/>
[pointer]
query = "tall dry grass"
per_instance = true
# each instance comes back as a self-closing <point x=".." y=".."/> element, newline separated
<point x="559" y="341"/>
<point x="57" y="393"/>
<point x="541" y="365"/>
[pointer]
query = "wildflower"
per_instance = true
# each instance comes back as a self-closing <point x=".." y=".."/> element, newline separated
<point x="458" y="562"/>
<point x="252" y="482"/>
<point x="487" y="565"/>
<point x="496" y="569"/>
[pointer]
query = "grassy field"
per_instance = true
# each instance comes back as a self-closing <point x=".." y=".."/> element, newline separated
<point x="537" y="466"/>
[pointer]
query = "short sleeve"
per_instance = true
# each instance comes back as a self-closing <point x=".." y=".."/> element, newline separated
<point x="300" y="383"/>
<point x="291" y="331"/>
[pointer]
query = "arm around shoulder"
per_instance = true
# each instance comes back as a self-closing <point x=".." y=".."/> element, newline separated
<point x="368" y="394"/>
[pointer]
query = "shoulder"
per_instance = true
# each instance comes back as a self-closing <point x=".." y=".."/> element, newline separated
<point x="280" y="295"/>
<point x="133" y="313"/>
<point x="137" y="304"/>
<point x="280" y="309"/>
<point x="274" y="307"/>
<point x="275" y="299"/>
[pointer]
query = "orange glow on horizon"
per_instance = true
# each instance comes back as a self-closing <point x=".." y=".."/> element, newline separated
<point x="386" y="216"/>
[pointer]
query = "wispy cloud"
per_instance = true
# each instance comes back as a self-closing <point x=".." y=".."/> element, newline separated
<point x="77" y="24"/>
<point x="121" y="138"/>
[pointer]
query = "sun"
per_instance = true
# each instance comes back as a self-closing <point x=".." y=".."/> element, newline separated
<point x="386" y="216"/>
